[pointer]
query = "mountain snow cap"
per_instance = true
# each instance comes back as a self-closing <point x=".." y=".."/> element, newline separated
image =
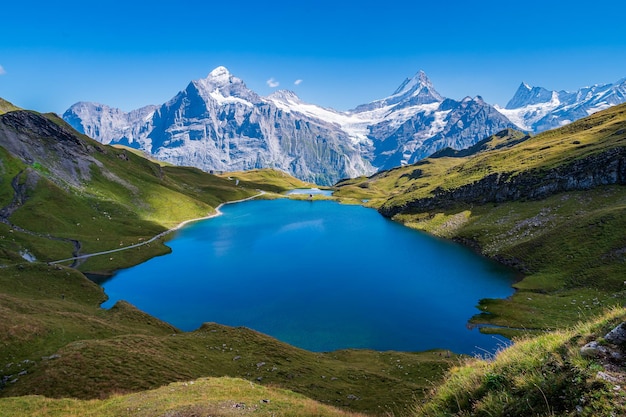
<point x="414" y="84"/>
<point x="285" y="96"/>
<point x="413" y="91"/>
<point x="219" y="75"/>
<point x="220" y="85"/>
<point x="220" y="78"/>
<point x="527" y="95"/>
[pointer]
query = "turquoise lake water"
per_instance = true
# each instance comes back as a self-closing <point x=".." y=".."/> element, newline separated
<point x="321" y="276"/>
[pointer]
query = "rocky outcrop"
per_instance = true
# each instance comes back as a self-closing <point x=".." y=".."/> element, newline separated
<point x="606" y="168"/>
<point x="36" y="139"/>
<point x="610" y="353"/>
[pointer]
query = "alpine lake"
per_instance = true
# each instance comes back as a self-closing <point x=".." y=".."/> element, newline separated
<point x="321" y="276"/>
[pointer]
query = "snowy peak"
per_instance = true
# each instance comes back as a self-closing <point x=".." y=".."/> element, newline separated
<point x="416" y="83"/>
<point x="220" y="74"/>
<point x="537" y="109"/>
<point x="418" y="89"/>
<point x="217" y="123"/>
<point x="413" y="91"/>
<point x="221" y="86"/>
<point x="527" y="95"/>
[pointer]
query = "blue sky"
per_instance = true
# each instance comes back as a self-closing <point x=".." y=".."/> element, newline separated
<point x="133" y="53"/>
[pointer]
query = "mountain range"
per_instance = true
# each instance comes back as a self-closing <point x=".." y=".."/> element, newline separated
<point x="536" y="109"/>
<point x="218" y="124"/>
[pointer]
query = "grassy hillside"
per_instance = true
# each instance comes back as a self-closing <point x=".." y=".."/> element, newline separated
<point x="550" y="375"/>
<point x="599" y="132"/>
<point x="53" y="327"/>
<point x="570" y="246"/>
<point x="75" y="196"/>
<point x="63" y="194"/>
<point x="203" y="397"/>
<point x="5" y="106"/>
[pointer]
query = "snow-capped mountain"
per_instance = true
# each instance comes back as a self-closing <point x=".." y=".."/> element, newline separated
<point x="536" y="109"/>
<point x="217" y="123"/>
<point x="417" y="121"/>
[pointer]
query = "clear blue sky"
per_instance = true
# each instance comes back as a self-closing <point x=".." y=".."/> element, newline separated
<point x="132" y="53"/>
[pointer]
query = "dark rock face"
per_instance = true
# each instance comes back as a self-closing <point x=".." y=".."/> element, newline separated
<point x="35" y="139"/>
<point x="605" y="168"/>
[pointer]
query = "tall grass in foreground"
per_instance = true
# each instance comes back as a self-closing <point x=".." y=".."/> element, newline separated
<point x="541" y="376"/>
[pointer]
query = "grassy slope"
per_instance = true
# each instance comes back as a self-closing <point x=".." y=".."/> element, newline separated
<point x="6" y="106"/>
<point x="203" y="397"/>
<point x="127" y="200"/>
<point x="542" y="376"/>
<point x="53" y="310"/>
<point x="275" y="181"/>
<point x="570" y="246"/>
<point x="598" y="132"/>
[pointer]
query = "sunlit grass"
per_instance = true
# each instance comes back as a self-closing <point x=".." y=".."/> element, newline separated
<point x="544" y="375"/>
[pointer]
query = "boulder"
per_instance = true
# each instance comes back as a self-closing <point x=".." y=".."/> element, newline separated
<point x="617" y="336"/>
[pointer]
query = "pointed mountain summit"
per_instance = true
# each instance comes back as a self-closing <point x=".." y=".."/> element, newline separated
<point x="419" y="84"/>
<point x="220" y="74"/>
<point x="527" y="95"/>
<point x="537" y="109"/>
<point x="413" y="91"/>
<point x="220" y="84"/>
<point x="285" y="96"/>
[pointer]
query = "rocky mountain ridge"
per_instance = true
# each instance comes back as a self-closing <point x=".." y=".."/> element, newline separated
<point x="536" y="109"/>
<point x="218" y="124"/>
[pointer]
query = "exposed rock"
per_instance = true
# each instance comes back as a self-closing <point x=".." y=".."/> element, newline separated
<point x="51" y="357"/>
<point x="218" y="124"/>
<point x="593" y="350"/>
<point x="604" y="168"/>
<point x="617" y="336"/>
<point x="608" y="377"/>
<point x="34" y="138"/>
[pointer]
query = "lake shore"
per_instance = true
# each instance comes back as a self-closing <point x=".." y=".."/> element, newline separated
<point x="216" y="213"/>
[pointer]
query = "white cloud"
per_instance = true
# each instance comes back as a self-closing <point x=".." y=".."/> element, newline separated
<point x="297" y="82"/>
<point x="272" y="83"/>
<point x="2" y="71"/>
